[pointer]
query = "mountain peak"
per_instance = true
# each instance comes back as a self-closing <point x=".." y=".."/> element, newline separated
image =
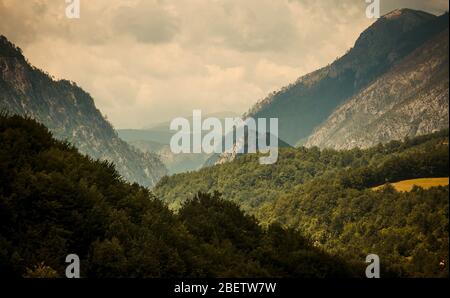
<point x="8" y="49"/>
<point x="394" y="14"/>
<point x="399" y="21"/>
<point x="387" y="31"/>
<point x="405" y="12"/>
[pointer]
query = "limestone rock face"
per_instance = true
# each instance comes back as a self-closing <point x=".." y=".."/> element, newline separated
<point x="411" y="99"/>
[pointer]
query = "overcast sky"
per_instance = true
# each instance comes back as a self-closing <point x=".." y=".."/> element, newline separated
<point x="147" y="61"/>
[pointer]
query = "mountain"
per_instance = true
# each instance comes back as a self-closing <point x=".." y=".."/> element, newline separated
<point x="156" y="139"/>
<point x="161" y="133"/>
<point x="302" y="106"/>
<point x="70" y="114"/>
<point x="230" y="154"/>
<point x="393" y="86"/>
<point x="220" y="115"/>
<point x="409" y="100"/>
<point x="55" y="201"/>
<point x="175" y="163"/>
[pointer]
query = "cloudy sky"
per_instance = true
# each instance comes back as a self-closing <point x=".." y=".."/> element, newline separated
<point x="146" y="61"/>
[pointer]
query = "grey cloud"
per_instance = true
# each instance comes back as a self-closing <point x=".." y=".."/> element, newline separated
<point x="27" y="22"/>
<point x="258" y="26"/>
<point x="147" y="61"/>
<point x="337" y="7"/>
<point x="147" y="22"/>
<point x="19" y="24"/>
<point x="246" y="26"/>
<point x="433" y="6"/>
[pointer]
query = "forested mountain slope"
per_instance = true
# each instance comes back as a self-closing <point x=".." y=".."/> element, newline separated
<point x="70" y="113"/>
<point x="327" y="195"/>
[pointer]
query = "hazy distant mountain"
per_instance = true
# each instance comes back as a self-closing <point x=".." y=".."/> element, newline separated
<point x="220" y="115"/>
<point x="156" y="139"/>
<point x="229" y="154"/>
<point x="70" y="114"/>
<point x="161" y="133"/>
<point x="175" y="163"/>
<point x="302" y="106"/>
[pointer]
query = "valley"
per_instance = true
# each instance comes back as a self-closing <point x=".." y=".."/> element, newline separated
<point x="362" y="167"/>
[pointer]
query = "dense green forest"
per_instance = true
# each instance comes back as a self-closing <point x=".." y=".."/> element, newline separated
<point x="312" y="214"/>
<point x="55" y="201"/>
<point x="326" y="195"/>
<point x="252" y="185"/>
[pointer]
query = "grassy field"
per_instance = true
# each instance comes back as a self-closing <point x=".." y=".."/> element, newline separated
<point x="407" y="185"/>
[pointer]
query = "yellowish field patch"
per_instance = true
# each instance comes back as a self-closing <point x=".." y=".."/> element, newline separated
<point x="425" y="183"/>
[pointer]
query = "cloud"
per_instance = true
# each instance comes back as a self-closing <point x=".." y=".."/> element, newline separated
<point x="253" y="25"/>
<point x="18" y="21"/>
<point x="147" y="21"/>
<point x="153" y="60"/>
<point x="432" y="6"/>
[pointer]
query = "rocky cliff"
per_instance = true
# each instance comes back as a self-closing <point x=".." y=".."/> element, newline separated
<point x="411" y="99"/>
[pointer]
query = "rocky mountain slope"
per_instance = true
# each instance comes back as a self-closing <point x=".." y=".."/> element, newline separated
<point x="302" y="106"/>
<point x="70" y="114"/>
<point x="411" y="99"/>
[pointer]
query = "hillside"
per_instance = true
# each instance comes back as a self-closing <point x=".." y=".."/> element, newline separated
<point x="55" y="201"/>
<point x="252" y="185"/>
<point x="70" y="114"/>
<point x="326" y="195"/>
<point x="304" y="105"/>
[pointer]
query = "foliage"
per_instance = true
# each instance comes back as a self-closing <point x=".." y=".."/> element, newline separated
<point x="41" y="271"/>
<point x="326" y="195"/>
<point x="55" y="201"/>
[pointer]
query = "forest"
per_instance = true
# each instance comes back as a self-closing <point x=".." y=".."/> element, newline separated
<point x="312" y="214"/>
<point x="327" y="196"/>
<point x="55" y="201"/>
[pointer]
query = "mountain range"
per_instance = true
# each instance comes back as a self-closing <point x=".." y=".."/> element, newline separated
<point x="392" y="84"/>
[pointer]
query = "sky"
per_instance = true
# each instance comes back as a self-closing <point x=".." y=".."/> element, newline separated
<point x="149" y="61"/>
